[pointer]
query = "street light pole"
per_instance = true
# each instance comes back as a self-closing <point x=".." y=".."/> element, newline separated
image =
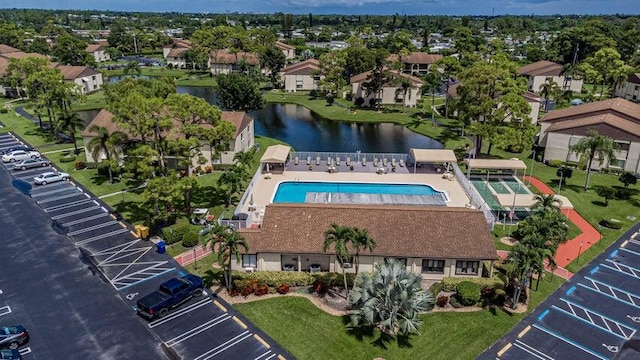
<point x="579" y="250"/>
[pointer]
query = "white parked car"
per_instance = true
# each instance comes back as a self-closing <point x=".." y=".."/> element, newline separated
<point x="50" y="177"/>
<point x="20" y="155"/>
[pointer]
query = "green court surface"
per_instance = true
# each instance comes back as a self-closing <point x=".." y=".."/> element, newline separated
<point x="515" y="185"/>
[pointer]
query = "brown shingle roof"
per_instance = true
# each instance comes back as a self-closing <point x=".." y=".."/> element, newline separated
<point x="223" y="56"/>
<point x="306" y="67"/>
<point x="541" y="68"/>
<point x="531" y="97"/>
<point x="176" y="52"/>
<point x="74" y="72"/>
<point x="417" y="58"/>
<point x="619" y="106"/>
<point x="180" y="43"/>
<point x="360" y="78"/>
<point x="634" y="78"/>
<point x="239" y="119"/>
<point x="403" y="231"/>
<point x="23" y="55"/>
<point x="282" y="46"/>
<point x="4" y="49"/>
<point x="91" y="48"/>
<point x="609" y="125"/>
<point x="4" y="64"/>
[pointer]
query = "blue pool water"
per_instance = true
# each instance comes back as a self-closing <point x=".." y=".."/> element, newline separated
<point x="296" y="192"/>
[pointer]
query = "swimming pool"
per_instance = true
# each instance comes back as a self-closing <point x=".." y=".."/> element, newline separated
<point x="296" y="191"/>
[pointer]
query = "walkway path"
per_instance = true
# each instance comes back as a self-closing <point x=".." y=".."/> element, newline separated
<point x="570" y="250"/>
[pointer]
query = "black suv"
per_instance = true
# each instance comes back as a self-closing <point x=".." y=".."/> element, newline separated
<point x="13" y="336"/>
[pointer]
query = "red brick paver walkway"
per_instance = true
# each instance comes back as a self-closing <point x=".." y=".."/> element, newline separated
<point x="570" y="250"/>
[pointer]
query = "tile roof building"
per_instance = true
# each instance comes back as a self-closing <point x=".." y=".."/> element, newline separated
<point x="301" y="76"/>
<point x="630" y="90"/>
<point x="541" y="71"/>
<point x="616" y="118"/>
<point x="416" y="63"/>
<point x="391" y="93"/>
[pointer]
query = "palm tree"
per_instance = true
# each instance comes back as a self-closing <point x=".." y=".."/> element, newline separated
<point x="546" y="202"/>
<point x="245" y="158"/>
<point x="107" y="144"/>
<point x="546" y="90"/>
<point x="71" y="122"/>
<point x="390" y="299"/>
<point x="339" y="236"/>
<point x="526" y="259"/>
<point x="361" y="241"/>
<point x="618" y="78"/>
<point x="132" y="67"/>
<point x="228" y="242"/>
<point x="595" y="144"/>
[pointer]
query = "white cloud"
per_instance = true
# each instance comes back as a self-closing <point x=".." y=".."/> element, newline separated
<point x="316" y="3"/>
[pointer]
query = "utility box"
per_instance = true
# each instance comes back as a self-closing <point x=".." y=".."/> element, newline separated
<point x="161" y="245"/>
<point x="141" y="231"/>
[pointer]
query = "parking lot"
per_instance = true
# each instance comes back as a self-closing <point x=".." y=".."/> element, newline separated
<point x="595" y="315"/>
<point x="203" y="328"/>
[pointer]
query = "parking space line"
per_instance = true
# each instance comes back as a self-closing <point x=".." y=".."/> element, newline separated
<point x="523" y="332"/>
<point x="179" y="313"/>
<point x="84" y="219"/>
<point x="265" y="354"/>
<point x="120" y="284"/>
<point x="25" y="351"/>
<point x="622" y="268"/>
<point x="65" y="206"/>
<point x="608" y="295"/>
<point x="531" y="350"/>
<point x="58" y="190"/>
<point x="632" y="298"/>
<point x="224" y="346"/>
<point x="197" y="330"/>
<point x="589" y="321"/>
<point x="91" y="228"/>
<point x="100" y="237"/>
<point x="61" y="197"/>
<point x="630" y="251"/>
<point x="5" y="310"/>
<point x="570" y="342"/>
<point x="62" y="216"/>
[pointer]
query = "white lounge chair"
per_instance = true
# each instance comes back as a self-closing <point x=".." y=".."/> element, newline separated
<point x="393" y="162"/>
<point x="318" y="160"/>
<point x="375" y="162"/>
<point x="328" y="161"/>
<point x="338" y="161"/>
<point x="348" y="161"/>
<point x="401" y="163"/>
<point x="296" y="160"/>
<point x="384" y="161"/>
<point x="364" y="161"/>
<point x="308" y="160"/>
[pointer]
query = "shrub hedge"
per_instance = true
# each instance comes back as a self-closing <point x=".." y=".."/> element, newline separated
<point x="190" y="239"/>
<point x="435" y="288"/>
<point x="176" y="233"/>
<point x="468" y="293"/>
<point x="450" y="283"/>
<point x="611" y="224"/>
<point x="276" y="279"/>
<point x="555" y="163"/>
<point x="454" y="302"/>
<point x="67" y="158"/>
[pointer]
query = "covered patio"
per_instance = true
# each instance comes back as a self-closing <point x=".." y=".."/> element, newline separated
<point x="438" y="158"/>
<point x="495" y="164"/>
<point x="274" y="159"/>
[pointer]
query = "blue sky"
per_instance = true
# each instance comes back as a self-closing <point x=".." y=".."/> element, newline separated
<point x="421" y="7"/>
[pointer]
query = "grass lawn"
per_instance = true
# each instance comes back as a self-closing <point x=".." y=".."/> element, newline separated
<point x="152" y="71"/>
<point x="444" y="133"/>
<point x="310" y="333"/>
<point x="586" y="203"/>
<point x="95" y="100"/>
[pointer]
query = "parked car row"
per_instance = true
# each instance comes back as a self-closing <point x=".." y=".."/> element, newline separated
<point x="50" y="177"/>
<point x="31" y="163"/>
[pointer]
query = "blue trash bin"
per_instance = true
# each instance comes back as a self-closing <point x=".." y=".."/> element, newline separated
<point x="162" y="247"/>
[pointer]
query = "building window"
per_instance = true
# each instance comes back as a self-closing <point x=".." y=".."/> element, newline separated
<point x="346" y="262"/>
<point x="433" y="266"/>
<point x="249" y="261"/>
<point x="93" y="77"/>
<point x="298" y="84"/>
<point x="624" y="146"/>
<point x="403" y="261"/>
<point x="464" y="267"/>
<point x="619" y="163"/>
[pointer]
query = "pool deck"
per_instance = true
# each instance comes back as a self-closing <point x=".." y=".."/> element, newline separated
<point x="265" y="187"/>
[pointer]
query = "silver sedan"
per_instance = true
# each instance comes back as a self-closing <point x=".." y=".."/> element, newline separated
<point x="50" y="177"/>
<point x="31" y="163"/>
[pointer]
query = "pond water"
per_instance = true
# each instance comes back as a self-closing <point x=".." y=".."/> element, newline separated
<point x="306" y="131"/>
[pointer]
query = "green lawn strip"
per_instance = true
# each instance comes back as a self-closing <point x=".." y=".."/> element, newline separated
<point x="442" y="133"/>
<point x="198" y="81"/>
<point x="93" y="101"/>
<point x="499" y="232"/>
<point x="155" y="71"/>
<point x="587" y="203"/>
<point x="306" y="331"/>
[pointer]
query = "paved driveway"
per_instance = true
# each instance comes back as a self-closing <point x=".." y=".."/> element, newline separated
<point x="595" y="315"/>
<point x="62" y="220"/>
